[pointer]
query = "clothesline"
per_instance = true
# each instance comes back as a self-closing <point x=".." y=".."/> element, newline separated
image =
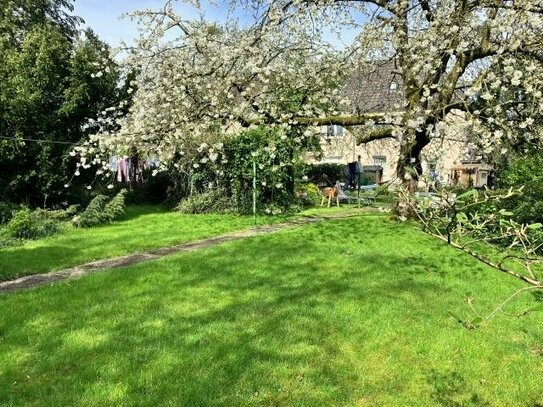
<point x="37" y="140"/>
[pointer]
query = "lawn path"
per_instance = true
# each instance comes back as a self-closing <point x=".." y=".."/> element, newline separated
<point x="35" y="280"/>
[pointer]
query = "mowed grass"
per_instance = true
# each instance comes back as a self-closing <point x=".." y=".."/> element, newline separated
<point x="352" y="312"/>
<point x="142" y="228"/>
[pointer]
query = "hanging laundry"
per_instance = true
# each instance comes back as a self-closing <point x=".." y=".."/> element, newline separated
<point x="123" y="170"/>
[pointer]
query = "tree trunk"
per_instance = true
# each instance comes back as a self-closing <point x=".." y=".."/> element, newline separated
<point x="409" y="167"/>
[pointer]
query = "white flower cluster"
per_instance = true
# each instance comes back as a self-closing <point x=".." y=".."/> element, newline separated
<point x="208" y="80"/>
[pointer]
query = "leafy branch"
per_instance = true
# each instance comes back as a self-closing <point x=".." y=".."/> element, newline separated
<point x="472" y="223"/>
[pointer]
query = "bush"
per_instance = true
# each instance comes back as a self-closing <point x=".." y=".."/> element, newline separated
<point x="6" y="212"/>
<point x="58" y="214"/>
<point x="101" y="211"/>
<point x="525" y="171"/>
<point x="214" y="201"/>
<point x="275" y="160"/>
<point x="115" y="208"/>
<point x="308" y="194"/>
<point x="27" y="224"/>
<point x="6" y="240"/>
<point x="92" y="215"/>
<point x="334" y="172"/>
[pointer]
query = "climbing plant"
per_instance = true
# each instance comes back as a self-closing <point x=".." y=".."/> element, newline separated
<point x="230" y="167"/>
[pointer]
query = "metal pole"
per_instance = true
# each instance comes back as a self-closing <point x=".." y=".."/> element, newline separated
<point x="254" y="191"/>
<point x="358" y="182"/>
<point x="358" y="170"/>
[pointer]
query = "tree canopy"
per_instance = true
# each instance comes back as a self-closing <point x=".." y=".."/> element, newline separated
<point x="19" y="16"/>
<point x="277" y="68"/>
<point x="52" y="81"/>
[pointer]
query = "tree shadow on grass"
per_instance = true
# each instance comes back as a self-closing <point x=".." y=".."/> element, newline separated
<point x="32" y="260"/>
<point x="538" y="295"/>
<point x="274" y="320"/>
<point x="250" y="337"/>
<point x="216" y="334"/>
<point x="135" y="211"/>
<point x="450" y="389"/>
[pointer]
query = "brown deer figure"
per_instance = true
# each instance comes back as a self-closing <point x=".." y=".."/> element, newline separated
<point x="330" y="192"/>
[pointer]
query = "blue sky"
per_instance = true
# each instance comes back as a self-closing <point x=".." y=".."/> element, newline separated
<point x="104" y="17"/>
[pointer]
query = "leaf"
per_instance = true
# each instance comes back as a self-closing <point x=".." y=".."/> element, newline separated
<point x="461" y="217"/>
<point x="534" y="226"/>
<point x="471" y="193"/>
<point x="477" y="321"/>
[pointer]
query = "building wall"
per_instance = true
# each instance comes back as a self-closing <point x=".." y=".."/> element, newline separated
<point x="439" y="157"/>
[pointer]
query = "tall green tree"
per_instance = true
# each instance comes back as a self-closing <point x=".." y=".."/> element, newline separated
<point x="33" y="94"/>
<point x="52" y="82"/>
<point x="17" y="17"/>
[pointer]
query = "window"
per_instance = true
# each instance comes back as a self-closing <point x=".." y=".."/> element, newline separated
<point x="332" y="159"/>
<point x="382" y="161"/>
<point x="333" y="130"/>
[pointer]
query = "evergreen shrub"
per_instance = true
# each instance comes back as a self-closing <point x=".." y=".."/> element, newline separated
<point x="102" y="210"/>
<point x="214" y="201"/>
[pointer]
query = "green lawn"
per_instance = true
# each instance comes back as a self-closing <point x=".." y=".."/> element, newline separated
<point x="142" y="228"/>
<point x="352" y="312"/>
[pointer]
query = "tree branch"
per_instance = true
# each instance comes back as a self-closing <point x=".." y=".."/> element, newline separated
<point x="374" y="134"/>
<point x="343" y="120"/>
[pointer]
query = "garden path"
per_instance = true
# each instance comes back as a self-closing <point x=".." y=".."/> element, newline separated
<point x="35" y="280"/>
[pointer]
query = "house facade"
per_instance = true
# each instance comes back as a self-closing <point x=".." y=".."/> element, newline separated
<point x="444" y="160"/>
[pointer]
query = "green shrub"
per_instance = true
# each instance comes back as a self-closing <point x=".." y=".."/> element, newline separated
<point x="334" y="172"/>
<point x="115" y="208"/>
<point x="6" y="212"/>
<point x="92" y="215"/>
<point x="27" y="224"/>
<point x="308" y="194"/>
<point x="60" y="215"/>
<point x="524" y="171"/>
<point x="101" y="211"/>
<point x="6" y="240"/>
<point x="275" y="158"/>
<point x="214" y="201"/>
<point x="71" y="210"/>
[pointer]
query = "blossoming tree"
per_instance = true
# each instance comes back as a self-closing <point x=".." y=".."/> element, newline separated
<point x="271" y="63"/>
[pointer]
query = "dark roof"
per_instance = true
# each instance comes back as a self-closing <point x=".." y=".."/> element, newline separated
<point x="375" y="88"/>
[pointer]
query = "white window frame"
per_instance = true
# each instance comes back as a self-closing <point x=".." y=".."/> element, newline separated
<point x="380" y="159"/>
<point x="334" y="131"/>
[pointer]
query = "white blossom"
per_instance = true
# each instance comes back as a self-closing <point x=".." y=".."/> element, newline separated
<point x="198" y="85"/>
